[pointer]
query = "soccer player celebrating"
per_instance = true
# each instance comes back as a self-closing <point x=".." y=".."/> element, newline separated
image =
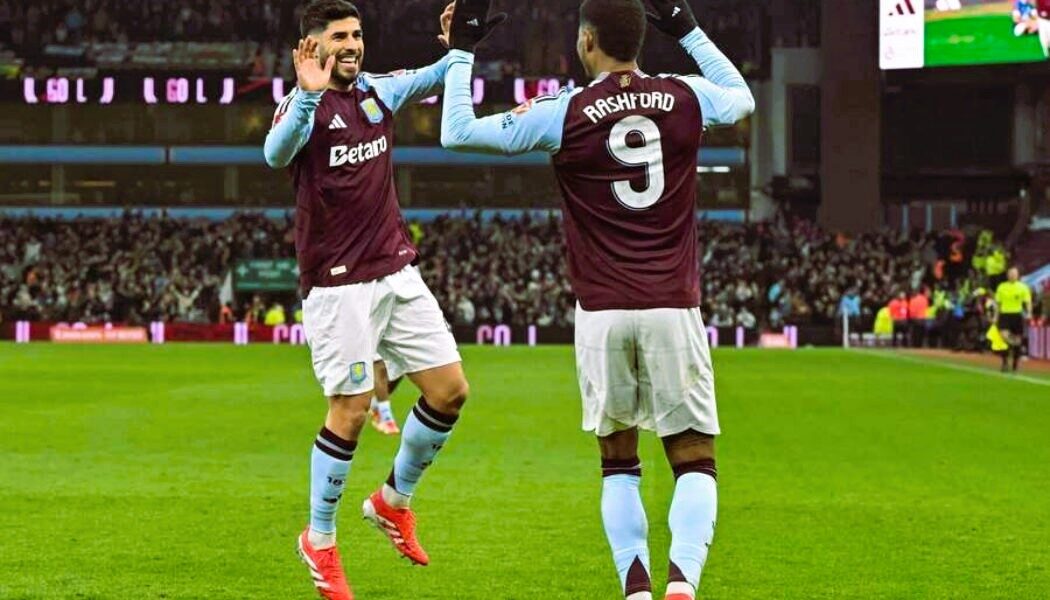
<point x="1014" y="300"/>
<point x="362" y="296"/>
<point x="625" y="154"/>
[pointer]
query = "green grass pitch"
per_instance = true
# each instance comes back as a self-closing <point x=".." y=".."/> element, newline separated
<point x="180" y="471"/>
<point x="978" y="35"/>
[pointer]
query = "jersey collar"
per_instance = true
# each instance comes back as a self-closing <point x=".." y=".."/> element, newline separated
<point x="603" y="76"/>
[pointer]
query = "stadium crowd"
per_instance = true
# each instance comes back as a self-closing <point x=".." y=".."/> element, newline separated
<point x="399" y="32"/>
<point x="133" y="269"/>
<point x="505" y="270"/>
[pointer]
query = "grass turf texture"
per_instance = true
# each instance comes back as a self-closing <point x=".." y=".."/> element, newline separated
<point x="977" y="35"/>
<point x="180" y="471"/>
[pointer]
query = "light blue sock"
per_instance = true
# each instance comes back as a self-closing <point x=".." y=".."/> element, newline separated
<point x="329" y="468"/>
<point x="625" y="524"/>
<point x="424" y="434"/>
<point x="694" y="510"/>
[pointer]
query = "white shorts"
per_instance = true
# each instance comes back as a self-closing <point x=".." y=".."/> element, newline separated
<point x="1044" y="35"/>
<point x="645" y="368"/>
<point x="395" y="317"/>
<point x="394" y="369"/>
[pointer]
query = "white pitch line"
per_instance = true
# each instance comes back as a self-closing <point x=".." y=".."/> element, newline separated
<point x="957" y="367"/>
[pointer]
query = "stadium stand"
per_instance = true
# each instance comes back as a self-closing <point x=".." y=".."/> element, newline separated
<point x="252" y="36"/>
<point x="502" y="270"/>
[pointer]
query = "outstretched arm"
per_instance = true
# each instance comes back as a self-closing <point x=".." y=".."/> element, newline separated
<point x="724" y="96"/>
<point x="723" y="93"/>
<point x="536" y="125"/>
<point x="405" y="87"/>
<point x="401" y="88"/>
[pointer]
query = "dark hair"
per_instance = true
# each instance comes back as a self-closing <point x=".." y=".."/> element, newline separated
<point x="319" y="13"/>
<point x="619" y="25"/>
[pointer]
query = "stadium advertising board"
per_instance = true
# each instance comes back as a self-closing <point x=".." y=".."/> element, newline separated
<point x="208" y="89"/>
<point x="280" y="275"/>
<point x="941" y="33"/>
<point x="242" y="333"/>
<point x="98" y="335"/>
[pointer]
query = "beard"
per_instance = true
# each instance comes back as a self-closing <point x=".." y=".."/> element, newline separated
<point x="340" y="76"/>
<point x="341" y="79"/>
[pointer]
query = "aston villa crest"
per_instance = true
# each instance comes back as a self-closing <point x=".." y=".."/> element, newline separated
<point x="625" y="81"/>
<point x="372" y="111"/>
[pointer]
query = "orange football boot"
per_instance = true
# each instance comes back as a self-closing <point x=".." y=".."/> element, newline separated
<point x="325" y="568"/>
<point x="398" y="525"/>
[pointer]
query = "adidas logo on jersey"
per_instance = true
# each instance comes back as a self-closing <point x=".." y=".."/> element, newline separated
<point x="474" y="23"/>
<point x="337" y="123"/>
<point x="677" y="10"/>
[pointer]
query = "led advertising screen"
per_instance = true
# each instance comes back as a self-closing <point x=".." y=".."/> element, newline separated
<point x="950" y="33"/>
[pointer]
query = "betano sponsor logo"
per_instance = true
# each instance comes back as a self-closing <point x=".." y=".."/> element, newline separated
<point x="352" y="155"/>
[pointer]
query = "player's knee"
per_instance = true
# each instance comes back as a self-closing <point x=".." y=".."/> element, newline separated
<point x="451" y="398"/>
<point x="348" y="413"/>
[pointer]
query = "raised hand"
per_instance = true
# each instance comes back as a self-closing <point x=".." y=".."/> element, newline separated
<point x="446" y="24"/>
<point x="673" y="17"/>
<point x="312" y="76"/>
<point x="471" y="23"/>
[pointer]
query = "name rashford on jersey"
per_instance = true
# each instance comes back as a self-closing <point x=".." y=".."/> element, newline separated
<point x="624" y="151"/>
<point x="627" y="171"/>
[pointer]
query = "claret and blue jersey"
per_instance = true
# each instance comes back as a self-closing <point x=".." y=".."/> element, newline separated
<point x="338" y="146"/>
<point x="624" y="150"/>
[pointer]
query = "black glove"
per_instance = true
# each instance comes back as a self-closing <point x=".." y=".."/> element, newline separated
<point x="673" y="17"/>
<point x="471" y="24"/>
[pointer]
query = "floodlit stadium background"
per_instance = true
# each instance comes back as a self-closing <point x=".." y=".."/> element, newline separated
<point x="135" y="203"/>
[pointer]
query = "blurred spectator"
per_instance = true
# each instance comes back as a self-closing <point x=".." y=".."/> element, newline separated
<point x="849" y="310"/>
<point x="275" y="316"/>
<point x="226" y="314"/>
<point x="899" y="313"/>
<point x="1045" y="312"/>
<point x="918" y="304"/>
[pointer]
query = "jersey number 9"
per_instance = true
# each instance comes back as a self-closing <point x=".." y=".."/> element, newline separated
<point x="649" y="155"/>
